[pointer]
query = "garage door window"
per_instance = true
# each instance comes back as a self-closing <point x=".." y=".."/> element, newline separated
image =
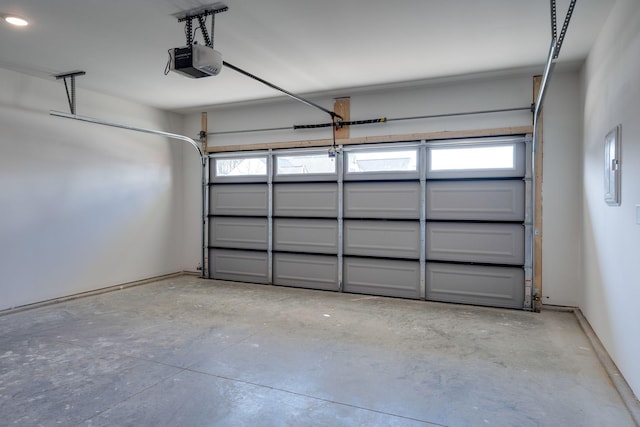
<point x="382" y="161"/>
<point x="241" y="166"/>
<point x="305" y="164"/>
<point x="466" y="158"/>
<point x="471" y="159"/>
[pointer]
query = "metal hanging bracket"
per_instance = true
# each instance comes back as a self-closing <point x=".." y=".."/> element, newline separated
<point x="554" y="50"/>
<point x="70" y="88"/>
<point x="565" y="25"/>
<point x="200" y="14"/>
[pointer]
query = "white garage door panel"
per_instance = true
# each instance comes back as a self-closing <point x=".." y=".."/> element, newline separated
<point x="306" y="200"/>
<point x="476" y="200"/>
<point x="305" y="235"/>
<point x="242" y="266"/>
<point x="306" y="271"/>
<point x="471" y="242"/>
<point x="474" y="284"/>
<point x="241" y="200"/>
<point x="382" y="277"/>
<point x="393" y="200"/>
<point x="395" y="239"/>
<point x="239" y="233"/>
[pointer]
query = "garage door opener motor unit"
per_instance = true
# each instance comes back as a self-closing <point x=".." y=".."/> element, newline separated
<point x="196" y="60"/>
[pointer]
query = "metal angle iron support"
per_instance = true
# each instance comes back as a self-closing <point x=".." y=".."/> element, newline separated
<point x="565" y="26"/>
<point x="554" y="21"/>
<point x="200" y="13"/>
<point x="191" y="141"/>
<point x="189" y="32"/>
<point x="205" y="32"/>
<point x="71" y="91"/>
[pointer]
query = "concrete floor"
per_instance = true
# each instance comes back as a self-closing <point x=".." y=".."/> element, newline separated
<point x="191" y="352"/>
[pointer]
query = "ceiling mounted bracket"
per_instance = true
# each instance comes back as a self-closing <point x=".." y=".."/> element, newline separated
<point x="200" y="13"/>
<point x="70" y="88"/>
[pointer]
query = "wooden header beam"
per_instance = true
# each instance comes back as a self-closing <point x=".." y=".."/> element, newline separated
<point x="455" y="134"/>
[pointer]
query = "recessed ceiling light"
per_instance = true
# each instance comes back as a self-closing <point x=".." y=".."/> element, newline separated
<point x="16" y="20"/>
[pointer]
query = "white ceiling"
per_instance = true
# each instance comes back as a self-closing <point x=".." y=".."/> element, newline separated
<point x="304" y="46"/>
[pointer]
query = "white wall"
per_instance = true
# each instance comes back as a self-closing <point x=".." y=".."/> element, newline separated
<point x="611" y="290"/>
<point x="83" y="206"/>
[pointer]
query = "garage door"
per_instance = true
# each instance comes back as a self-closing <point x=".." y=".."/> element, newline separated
<point x="432" y="220"/>
<point x="475" y="213"/>
<point x="239" y="209"/>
